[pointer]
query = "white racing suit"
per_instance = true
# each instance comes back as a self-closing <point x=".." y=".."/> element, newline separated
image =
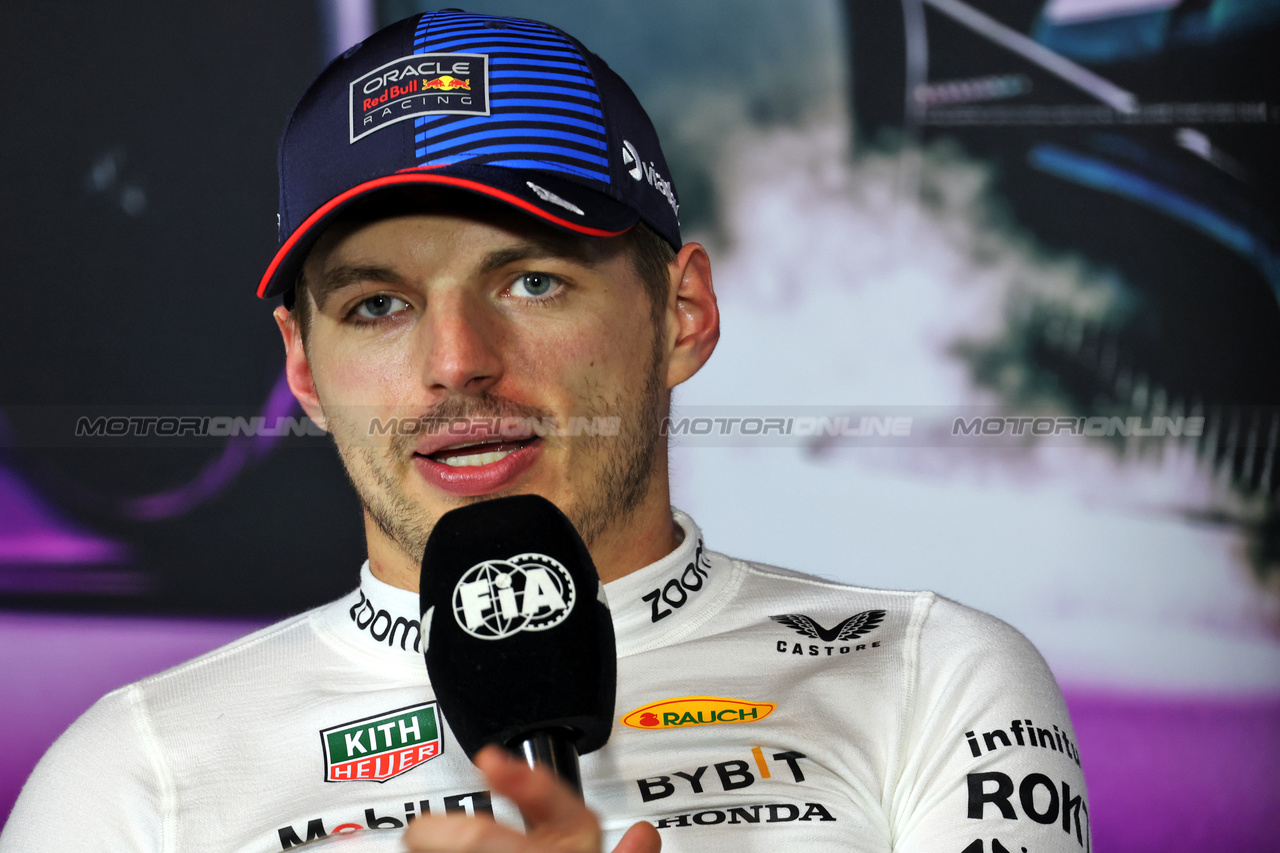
<point x="757" y="709"/>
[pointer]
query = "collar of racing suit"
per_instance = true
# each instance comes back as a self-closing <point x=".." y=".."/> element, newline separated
<point x="652" y="607"/>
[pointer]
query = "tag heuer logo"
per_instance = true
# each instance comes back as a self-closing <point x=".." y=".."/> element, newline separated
<point x="379" y="748"/>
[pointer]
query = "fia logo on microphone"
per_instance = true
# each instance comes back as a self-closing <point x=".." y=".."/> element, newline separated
<point x="498" y="598"/>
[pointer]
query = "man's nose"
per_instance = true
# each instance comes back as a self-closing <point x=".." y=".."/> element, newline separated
<point x="463" y="346"/>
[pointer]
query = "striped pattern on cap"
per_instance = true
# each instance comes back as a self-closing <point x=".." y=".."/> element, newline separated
<point x="544" y="107"/>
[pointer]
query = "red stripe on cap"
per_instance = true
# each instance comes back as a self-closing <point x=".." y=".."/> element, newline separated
<point x="419" y="178"/>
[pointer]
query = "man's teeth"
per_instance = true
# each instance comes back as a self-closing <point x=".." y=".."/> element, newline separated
<point x="473" y="459"/>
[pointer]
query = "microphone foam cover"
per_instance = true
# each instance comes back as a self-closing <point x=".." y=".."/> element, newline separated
<point x="521" y="639"/>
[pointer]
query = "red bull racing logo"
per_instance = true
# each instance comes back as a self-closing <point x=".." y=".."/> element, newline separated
<point x="417" y="85"/>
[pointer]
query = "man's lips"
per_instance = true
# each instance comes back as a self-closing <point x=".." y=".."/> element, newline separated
<point x="478" y="467"/>
<point x="462" y="438"/>
<point x="475" y="453"/>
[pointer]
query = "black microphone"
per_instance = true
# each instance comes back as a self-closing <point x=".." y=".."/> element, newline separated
<point x="521" y="649"/>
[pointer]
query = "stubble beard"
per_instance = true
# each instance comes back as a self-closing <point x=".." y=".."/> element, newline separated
<point x="623" y="476"/>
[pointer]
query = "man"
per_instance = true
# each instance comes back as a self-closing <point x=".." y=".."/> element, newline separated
<point x="478" y="228"/>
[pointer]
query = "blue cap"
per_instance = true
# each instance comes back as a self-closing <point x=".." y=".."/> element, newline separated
<point x="508" y="108"/>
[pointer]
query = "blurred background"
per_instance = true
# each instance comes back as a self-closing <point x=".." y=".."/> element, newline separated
<point x="923" y="214"/>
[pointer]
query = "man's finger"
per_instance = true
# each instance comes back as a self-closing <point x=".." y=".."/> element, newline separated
<point x="462" y="834"/>
<point x="642" y="837"/>
<point x="543" y="800"/>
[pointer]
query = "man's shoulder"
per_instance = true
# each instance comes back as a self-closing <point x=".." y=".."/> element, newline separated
<point x="943" y="625"/>
<point x="765" y="579"/>
<point x="256" y="655"/>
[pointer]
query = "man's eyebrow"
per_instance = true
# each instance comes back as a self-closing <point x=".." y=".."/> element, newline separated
<point x="336" y="278"/>
<point x="573" y="250"/>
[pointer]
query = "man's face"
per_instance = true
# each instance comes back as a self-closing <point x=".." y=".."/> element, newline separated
<point x="472" y="335"/>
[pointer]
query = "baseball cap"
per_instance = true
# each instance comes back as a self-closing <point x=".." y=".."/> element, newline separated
<point x="512" y="109"/>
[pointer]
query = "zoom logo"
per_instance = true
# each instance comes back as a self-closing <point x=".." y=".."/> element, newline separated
<point x="674" y="594"/>
<point x="498" y="598"/>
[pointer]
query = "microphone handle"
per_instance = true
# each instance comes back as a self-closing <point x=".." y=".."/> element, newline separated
<point x="554" y="750"/>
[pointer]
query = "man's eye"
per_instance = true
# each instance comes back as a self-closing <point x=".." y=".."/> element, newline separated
<point x="534" y="284"/>
<point x="379" y="306"/>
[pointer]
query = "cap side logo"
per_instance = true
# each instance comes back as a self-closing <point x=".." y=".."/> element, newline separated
<point x="631" y="160"/>
<point x="498" y="598"/>
<point x="418" y="85"/>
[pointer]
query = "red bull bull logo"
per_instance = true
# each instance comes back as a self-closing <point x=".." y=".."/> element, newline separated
<point x="447" y="83"/>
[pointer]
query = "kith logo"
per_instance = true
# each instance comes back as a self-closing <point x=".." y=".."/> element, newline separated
<point x="379" y="748"/>
<point x="498" y="598"/>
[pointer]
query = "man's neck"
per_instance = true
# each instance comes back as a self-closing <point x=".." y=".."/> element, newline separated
<point x="645" y="536"/>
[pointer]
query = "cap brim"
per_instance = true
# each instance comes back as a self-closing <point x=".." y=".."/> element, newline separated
<point x="545" y="195"/>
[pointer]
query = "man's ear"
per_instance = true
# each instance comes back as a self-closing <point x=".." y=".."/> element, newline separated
<point x="693" y="317"/>
<point x="297" y="367"/>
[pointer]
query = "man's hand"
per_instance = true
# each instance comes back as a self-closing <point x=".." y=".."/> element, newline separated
<point x="558" y="821"/>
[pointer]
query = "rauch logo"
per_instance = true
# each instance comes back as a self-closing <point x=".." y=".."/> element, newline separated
<point x="379" y="748"/>
<point x="696" y="711"/>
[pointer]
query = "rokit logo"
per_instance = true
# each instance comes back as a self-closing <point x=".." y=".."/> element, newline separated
<point x="696" y="711"/>
<point x="472" y="803"/>
<point x="417" y="85"/>
<point x="675" y="593"/>
<point x="498" y="598"/>
<point x="850" y="629"/>
<point x="381" y="747"/>
<point x="1039" y="798"/>
<point x="640" y="170"/>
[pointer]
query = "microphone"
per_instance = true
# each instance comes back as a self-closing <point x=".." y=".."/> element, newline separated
<point x="520" y="648"/>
